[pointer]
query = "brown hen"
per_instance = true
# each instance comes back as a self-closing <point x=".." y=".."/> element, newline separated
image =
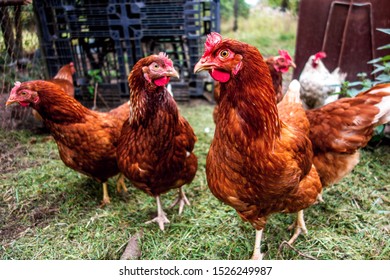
<point x="258" y="163"/>
<point x="85" y="138"/>
<point x="278" y="65"/>
<point x="155" y="150"/>
<point x="339" y="129"/>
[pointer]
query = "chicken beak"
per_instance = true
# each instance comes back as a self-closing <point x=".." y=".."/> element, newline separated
<point x="203" y="65"/>
<point x="293" y="65"/>
<point x="172" y="73"/>
<point x="10" y="101"/>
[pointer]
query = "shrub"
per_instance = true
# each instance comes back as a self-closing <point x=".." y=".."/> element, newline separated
<point x="381" y="72"/>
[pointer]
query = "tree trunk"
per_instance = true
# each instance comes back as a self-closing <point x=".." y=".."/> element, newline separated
<point x="18" y="48"/>
<point x="235" y="23"/>
<point x="8" y="34"/>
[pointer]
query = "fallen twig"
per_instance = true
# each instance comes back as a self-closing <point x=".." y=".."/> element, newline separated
<point x="296" y="250"/>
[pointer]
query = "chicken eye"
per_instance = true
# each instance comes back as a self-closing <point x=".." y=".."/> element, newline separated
<point x="224" y="53"/>
<point x="156" y="66"/>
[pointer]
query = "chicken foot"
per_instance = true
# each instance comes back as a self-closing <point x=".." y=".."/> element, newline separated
<point x="299" y="226"/>
<point x="182" y="200"/>
<point x="161" y="218"/>
<point x="257" y="255"/>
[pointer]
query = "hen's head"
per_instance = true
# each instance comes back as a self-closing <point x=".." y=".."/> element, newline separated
<point x="72" y="68"/>
<point x="23" y="94"/>
<point x="156" y="69"/>
<point x="315" y="59"/>
<point x="221" y="58"/>
<point x="283" y="62"/>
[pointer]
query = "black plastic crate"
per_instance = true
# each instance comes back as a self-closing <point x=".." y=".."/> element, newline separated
<point x="113" y="35"/>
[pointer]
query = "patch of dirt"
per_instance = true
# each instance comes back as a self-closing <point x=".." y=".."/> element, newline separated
<point x="17" y="220"/>
<point x="9" y="157"/>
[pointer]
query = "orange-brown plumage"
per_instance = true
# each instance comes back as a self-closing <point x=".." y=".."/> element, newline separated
<point x="85" y="138"/>
<point x="155" y="150"/>
<point x="258" y="163"/>
<point x="339" y="129"/>
<point x="64" y="79"/>
<point x="277" y="65"/>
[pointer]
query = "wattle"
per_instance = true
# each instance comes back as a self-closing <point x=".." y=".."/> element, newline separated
<point x="220" y="76"/>
<point x="24" y="104"/>
<point x="282" y="69"/>
<point x="161" y="81"/>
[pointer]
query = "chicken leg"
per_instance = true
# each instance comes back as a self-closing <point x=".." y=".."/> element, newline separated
<point x="106" y="198"/>
<point x="182" y="200"/>
<point x="257" y="255"/>
<point x="161" y="218"/>
<point x="300" y="227"/>
<point x="120" y="184"/>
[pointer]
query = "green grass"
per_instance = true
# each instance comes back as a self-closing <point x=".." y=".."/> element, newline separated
<point x="267" y="31"/>
<point x="49" y="211"/>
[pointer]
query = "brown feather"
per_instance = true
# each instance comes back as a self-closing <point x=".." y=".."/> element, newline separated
<point x="339" y="129"/>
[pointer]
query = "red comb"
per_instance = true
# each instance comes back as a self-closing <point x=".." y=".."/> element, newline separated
<point x="285" y="54"/>
<point x="319" y="55"/>
<point x="166" y="59"/>
<point x="212" y="40"/>
<point x="72" y="68"/>
<point x="16" y="87"/>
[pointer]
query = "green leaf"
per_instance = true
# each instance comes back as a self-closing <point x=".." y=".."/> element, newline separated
<point x="99" y="79"/>
<point x="362" y="75"/>
<point x="379" y="68"/>
<point x="384" y="30"/>
<point x="386" y="58"/>
<point x="384" y="47"/>
<point x="94" y="72"/>
<point x="383" y="78"/>
<point x="353" y="92"/>
<point x="375" y="60"/>
<point x="380" y="59"/>
<point x="354" y="84"/>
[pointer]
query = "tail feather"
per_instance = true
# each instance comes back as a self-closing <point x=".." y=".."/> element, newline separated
<point x="338" y="75"/>
<point x="293" y="92"/>
<point x="291" y="110"/>
<point x="348" y="123"/>
<point x="383" y="91"/>
<point x="384" y="111"/>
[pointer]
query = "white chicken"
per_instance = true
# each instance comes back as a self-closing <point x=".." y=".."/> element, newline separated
<point x="318" y="85"/>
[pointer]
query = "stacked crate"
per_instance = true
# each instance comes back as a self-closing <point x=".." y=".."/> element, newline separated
<point x="111" y="35"/>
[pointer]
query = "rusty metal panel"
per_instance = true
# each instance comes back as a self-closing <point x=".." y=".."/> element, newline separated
<point x="345" y="30"/>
